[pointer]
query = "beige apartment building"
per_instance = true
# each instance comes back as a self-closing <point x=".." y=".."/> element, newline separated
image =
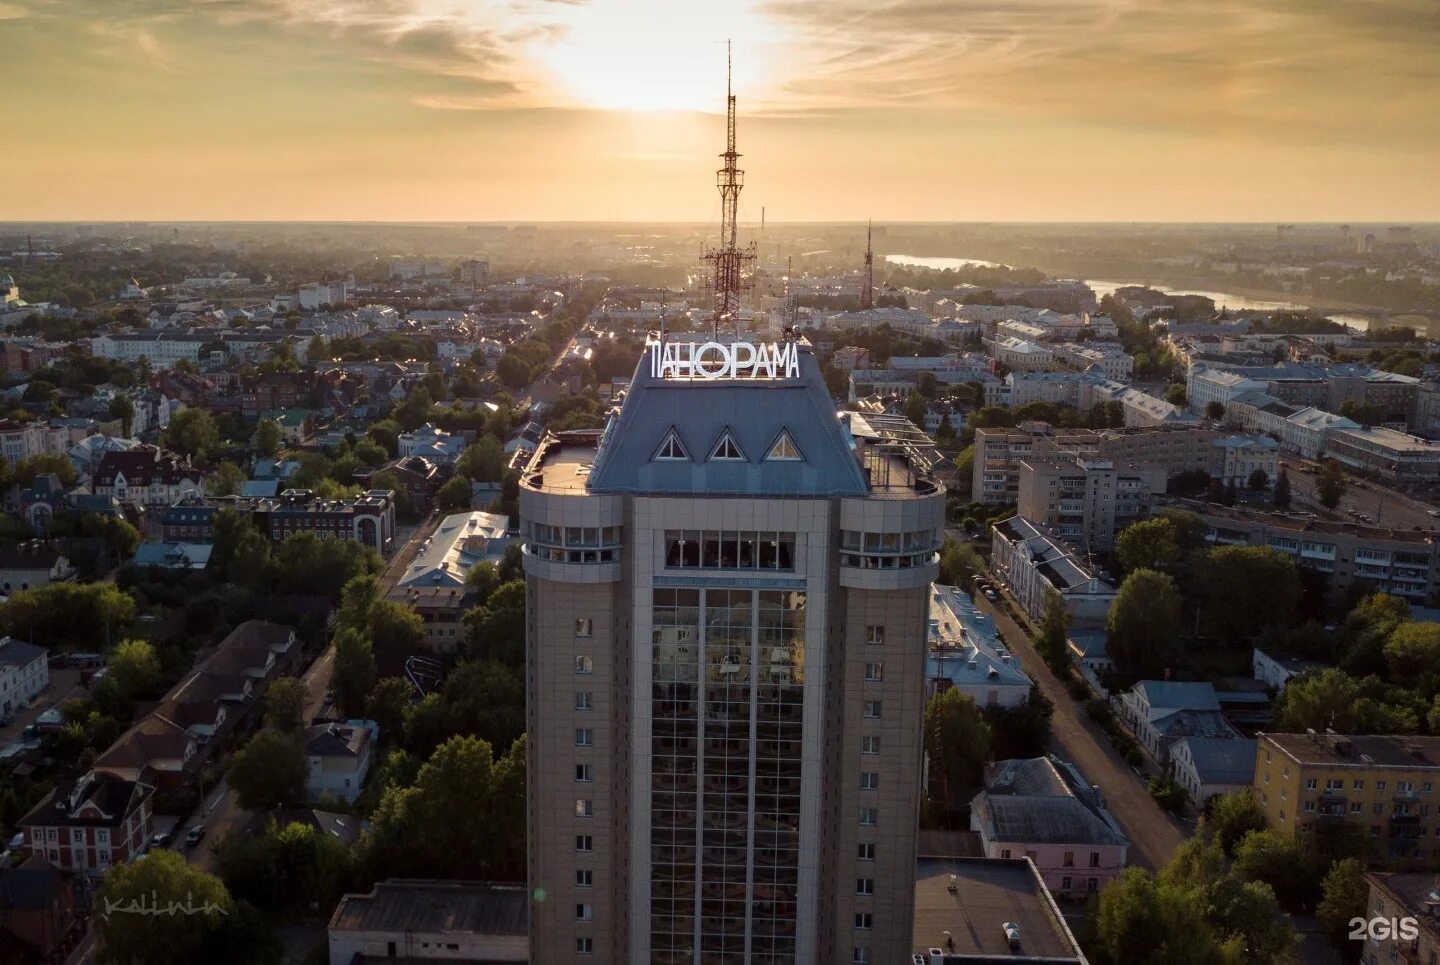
<point x="1175" y="449"/>
<point x="1088" y="501"/>
<point x="727" y="606"/>
<point x="1383" y="784"/>
<point x="1403" y="563"/>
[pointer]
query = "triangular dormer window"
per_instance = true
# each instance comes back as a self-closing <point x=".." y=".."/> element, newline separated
<point x="672" y="449"/>
<point x="784" y="449"/>
<point x="727" y="449"/>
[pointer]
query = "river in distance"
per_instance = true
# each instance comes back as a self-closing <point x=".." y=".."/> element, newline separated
<point x="1102" y="288"/>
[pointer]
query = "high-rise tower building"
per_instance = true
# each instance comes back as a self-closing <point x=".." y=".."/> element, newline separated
<point x="726" y="622"/>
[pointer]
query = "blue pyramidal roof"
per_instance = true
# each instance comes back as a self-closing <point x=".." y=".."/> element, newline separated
<point x="754" y="411"/>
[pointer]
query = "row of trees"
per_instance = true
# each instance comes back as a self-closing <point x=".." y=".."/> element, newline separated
<point x="1178" y="589"/>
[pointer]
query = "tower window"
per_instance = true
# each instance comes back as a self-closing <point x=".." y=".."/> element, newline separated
<point x="783" y="449"/>
<point x="672" y="448"/>
<point x="727" y="449"/>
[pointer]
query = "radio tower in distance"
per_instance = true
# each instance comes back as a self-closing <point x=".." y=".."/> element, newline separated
<point x="726" y="260"/>
<point x="867" y="293"/>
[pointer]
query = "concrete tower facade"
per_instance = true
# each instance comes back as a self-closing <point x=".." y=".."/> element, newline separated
<point x="726" y="621"/>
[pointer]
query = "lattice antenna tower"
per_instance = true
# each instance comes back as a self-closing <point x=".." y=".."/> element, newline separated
<point x="867" y="293"/>
<point x="726" y="261"/>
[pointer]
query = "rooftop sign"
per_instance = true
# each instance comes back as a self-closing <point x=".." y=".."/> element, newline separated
<point x="725" y="360"/>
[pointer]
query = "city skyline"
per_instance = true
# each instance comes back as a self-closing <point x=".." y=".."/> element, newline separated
<point x="419" y="110"/>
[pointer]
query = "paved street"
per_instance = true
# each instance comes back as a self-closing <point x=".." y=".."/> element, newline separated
<point x="1388" y="509"/>
<point x="1154" y="835"/>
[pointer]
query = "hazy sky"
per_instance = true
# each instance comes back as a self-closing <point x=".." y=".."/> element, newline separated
<point x="609" y="109"/>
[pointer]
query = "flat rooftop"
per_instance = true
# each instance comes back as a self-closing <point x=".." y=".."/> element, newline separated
<point x="562" y="467"/>
<point x="1369" y="750"/>
<point x="403" y="905"/>
<point x="988" y="892"/>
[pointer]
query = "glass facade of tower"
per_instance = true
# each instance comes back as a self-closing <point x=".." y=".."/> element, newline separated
<point x="727" y="733"/>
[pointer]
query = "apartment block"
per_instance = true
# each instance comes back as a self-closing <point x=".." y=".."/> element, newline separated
<point x="1383" y="784"/>
<point x="1087" y="501"/>
<point x="727" y="608"/>
<point x="1401" y="562"/>
<point x="1393" y="456"/>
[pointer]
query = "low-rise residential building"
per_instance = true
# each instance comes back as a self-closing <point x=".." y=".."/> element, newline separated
<point x="1275" y="670"/>
<point x="1391" y="455"/>
<point x="1207" y="766"/>
<point x="37" y="911"/>
<point x="1242" y="456"/>
<point x="147" y="476"/>
<point x="435" y="444"/>
<point x="460" y="542"/>
<point x="1111" y="361"/>
<point x="24" y="673"/>
<point x="1042" y="809"/>
<point x="1018" y="354"/>
<point x="442" y="609"/>
<point x="966" y="653"/>
<point x="966" y="910"/>
<point x="91" y="823"/>
<point x="1383" y="784"/>
<point x="1087" y="501"/>
<point x="1036" y="566"/>
<point x="1408" y="905"/>
<point x="1162" y="712"/>
<point x="32" y="564"/>
<point x="368" y="519"/>
<point x="420" y="920"/>
<point x="1404" y="563"/>
<point x="339" y="757"/>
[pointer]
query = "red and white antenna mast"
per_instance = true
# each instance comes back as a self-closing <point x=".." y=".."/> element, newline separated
<point x="725" y="261"/>
<point x="867" y="293"/>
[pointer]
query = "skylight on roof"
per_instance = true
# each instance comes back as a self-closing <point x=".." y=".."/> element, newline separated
<point x="783" y="449"/>
<point x="727" y="449"/>
<point x="672" y="448"/>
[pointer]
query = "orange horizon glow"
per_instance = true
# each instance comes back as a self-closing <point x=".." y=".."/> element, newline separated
<point x="610" y="110"/>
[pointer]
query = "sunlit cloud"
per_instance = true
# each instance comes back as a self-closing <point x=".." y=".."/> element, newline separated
<point x="1058" y="106"/>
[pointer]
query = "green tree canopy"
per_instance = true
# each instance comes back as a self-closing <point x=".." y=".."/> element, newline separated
<point x="193" y="432"/>
<point x="429" y="828"/>
<point x="1334" y="699"/>
<point x="285" y="701"/>
<point x="454" y="496"/>
<point x="1151" y="544"/>
<point x="227" y="480"/>
<point x="68" y="615"/>
<point x="137" y="938"/>
<point x="957" y="739"/>
<point x="1232" y="816"/>
<point x="1280" y="862"/>
<point x="1344" y="895"/>
<point x="56" y="463"/>
<point x="483" y="461"/>
<point x="135" y="668"/>
<point x="268" y="437"/>
<point x="269" y="772"/>
<point x="1144" y="623"/>
<point x="496" y="631"/>
<point x="387" y="703"/>
<point x="1244" y="589"/>
<point x="354" y="672"/>
<point x="1330" y="484"/>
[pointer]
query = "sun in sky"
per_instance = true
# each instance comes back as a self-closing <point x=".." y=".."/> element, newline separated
<point x="656" y="55"/>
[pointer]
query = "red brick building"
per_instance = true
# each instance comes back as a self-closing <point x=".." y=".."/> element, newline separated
<point x="90" y="824"/>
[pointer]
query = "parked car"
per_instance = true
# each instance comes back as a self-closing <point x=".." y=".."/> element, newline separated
<point x="159" y="839"/>
<point x="196" y="833"/>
